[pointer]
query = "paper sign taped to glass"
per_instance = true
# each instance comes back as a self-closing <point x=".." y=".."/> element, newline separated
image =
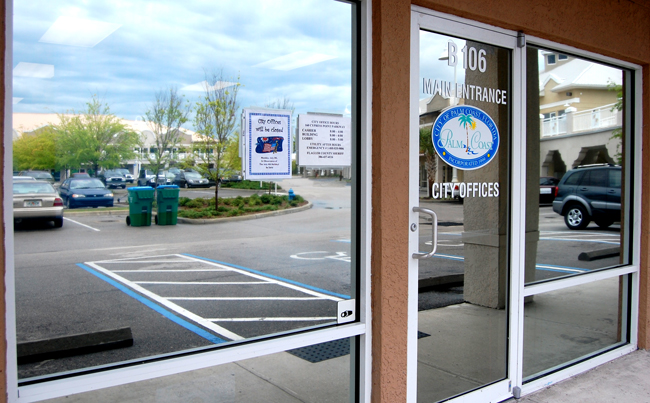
<point x="267" y="144"/>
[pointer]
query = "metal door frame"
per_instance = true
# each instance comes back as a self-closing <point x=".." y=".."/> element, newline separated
<point x="422" y="18"/>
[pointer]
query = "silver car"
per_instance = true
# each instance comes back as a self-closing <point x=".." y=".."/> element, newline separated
<point x="37" y="201"/>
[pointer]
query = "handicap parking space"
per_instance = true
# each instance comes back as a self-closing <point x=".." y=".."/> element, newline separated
<point x="231" y="302"/>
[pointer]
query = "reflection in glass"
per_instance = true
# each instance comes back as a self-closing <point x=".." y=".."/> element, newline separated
<point x="463" y="288"/>
<point x="563" y="326"/>
<point x="178" y="287"/>
<point x="576" y="166"/>
<point x="319" y="373"/>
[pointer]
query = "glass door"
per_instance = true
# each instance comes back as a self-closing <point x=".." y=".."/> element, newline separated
<point x="462" y="124"/>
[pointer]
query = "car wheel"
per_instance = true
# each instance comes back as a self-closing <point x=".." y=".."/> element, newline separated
<point x="58" y="222"/>
<point x="67" y="203"/>
<point x="605" y="223"/>
<point x="576" y="217"/>
<point x="123" y="186"/>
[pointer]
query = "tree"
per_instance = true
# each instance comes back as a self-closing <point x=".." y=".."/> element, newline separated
<point x="165" y="117"/>
<point x="215" y="121"/>
<point x="94" y="138"/>
<point x="35" y="151"/>
<point x="231" y="158"/>
<point x="617" y="135"/>
<point x="431" y="158"/>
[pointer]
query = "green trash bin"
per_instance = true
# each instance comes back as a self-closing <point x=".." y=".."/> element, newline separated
<point x="140" y="205"/>
<point x="167" y="200"/>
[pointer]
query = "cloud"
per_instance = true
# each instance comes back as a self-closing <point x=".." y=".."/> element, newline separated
<point x="203" y="85"/>
<point x="294" y="60"/>
<point x="34" y="70"/>
<point x="274" y="48"/>
<point x="78" y="32"/>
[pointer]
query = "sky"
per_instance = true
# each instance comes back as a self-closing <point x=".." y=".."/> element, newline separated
<point x="125" y="51"/>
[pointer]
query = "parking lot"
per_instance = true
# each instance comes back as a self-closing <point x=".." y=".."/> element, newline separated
<point x="196" y="286"/>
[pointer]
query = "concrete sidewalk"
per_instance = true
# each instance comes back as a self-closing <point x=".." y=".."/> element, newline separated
<point x="626" y="379"/>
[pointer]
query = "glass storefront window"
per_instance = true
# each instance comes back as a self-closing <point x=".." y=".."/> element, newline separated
<point x="98" y="82"/>
<point x="276" y="378"/>
<point x="568" y="325"/>
<point x="577" y="163"/>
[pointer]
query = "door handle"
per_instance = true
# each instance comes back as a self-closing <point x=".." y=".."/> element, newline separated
<point x="434" y="240"/>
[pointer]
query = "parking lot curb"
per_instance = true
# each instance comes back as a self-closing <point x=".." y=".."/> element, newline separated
<point x="195" y="221"/>
<point x="203" y="221"/>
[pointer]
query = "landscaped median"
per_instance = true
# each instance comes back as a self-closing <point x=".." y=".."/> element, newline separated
<point x="202" y="211"/>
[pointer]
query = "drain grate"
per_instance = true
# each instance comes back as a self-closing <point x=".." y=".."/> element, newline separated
<point x="331" y="349"/>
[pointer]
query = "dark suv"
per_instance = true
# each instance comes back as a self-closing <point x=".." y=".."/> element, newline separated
<point x="590" y="193"/>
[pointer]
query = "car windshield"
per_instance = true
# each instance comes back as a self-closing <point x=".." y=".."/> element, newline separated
<point x="86" y="184"/>
<point x="32" y="187"/>
<point x="192" y="175"/>
<point x="113" y="173"/>
<point x="123" y="171"/>
<point x="38" y="175"/>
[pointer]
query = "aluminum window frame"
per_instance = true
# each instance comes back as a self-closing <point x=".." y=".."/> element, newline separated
<point x="358" y="332"/>
<point x="633" y="181"/>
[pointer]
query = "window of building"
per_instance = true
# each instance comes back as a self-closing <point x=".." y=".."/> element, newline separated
<point x="169" y="291"/>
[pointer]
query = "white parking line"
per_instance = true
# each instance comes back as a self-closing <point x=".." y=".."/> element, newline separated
<point x="170" y="302"/>
<point x="83" y="225"/>
<point x="166" y="271"/>
<point x="203" y="282"/>
<point x="182" y="311"/>
<point x="267" y="319"/>
<point x="242" y="298"/>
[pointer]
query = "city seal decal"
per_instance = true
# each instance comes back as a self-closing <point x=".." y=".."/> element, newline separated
<point x="465" y="137"/>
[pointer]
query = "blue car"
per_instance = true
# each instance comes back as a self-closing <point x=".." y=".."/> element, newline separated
<point x="85" y="192"/>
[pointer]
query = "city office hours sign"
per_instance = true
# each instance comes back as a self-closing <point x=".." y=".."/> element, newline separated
<point x="267" y="144"/>
<point x="464" y="136"/>
<point x="324" y="140"/>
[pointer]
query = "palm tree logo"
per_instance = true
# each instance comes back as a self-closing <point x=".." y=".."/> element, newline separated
<point x="467" y="122"/>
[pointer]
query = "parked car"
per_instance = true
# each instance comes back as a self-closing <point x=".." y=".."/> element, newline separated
<point x="112" y="178"/>
<point x="164" y="178"/>
<point x="37" y="200"/>
<point x="127" y="175"/>
<point x="80" y="175"/>
<point x="191" y="180"/>
<point x="39" y="175"/>
<point x="589" y="193"/>
<point x="24" y="179"/>
<point x="145" y="177"/>
<point x="228" y="175"/>
<point x="85" y="192"/>
<point x="547" y="189"/>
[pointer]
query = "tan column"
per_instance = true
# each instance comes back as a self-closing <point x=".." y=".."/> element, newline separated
<point x="390" y="214"/>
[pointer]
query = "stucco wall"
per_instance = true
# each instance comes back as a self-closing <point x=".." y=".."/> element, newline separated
<point x="598" y="30"/>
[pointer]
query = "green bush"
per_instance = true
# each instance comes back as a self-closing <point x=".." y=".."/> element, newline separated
<point x="266" y="198"/>
<point x="182" y="201"/>
<point x="196" y="203"/>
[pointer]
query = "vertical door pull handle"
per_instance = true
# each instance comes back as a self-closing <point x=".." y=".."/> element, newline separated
<point x="434" y="240"/>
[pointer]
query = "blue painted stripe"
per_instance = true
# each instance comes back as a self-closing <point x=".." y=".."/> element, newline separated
<point x="547" y="267"/>
<point x="309" y="287"/>
<point x="206" y="335"/>
<point x="579" y="240"/>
